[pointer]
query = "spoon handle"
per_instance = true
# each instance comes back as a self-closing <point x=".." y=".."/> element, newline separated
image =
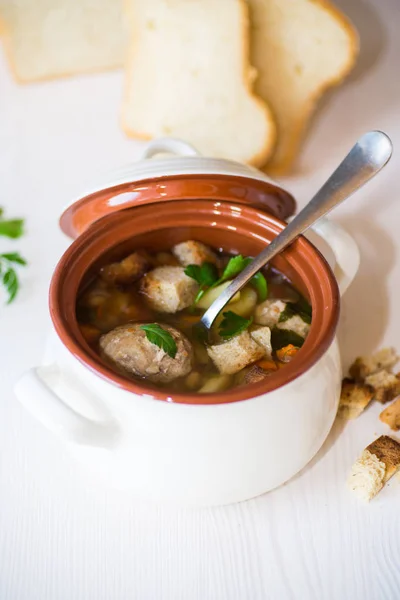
<point x="367" y="157"/>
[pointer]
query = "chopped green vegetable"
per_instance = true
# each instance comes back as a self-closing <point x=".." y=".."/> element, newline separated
<point x="260" y="284"/>
<point x="235" y="266"/>
<point x="205" y="275"/>
<point x="284" y="337"/>
<point x="10" y="278"/>
<point x="301" y="308"/>
<point x="161" y="338"/>
<point x="233" y="324"/>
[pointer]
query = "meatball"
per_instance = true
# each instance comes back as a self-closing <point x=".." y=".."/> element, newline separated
<point x="128" y="348"/>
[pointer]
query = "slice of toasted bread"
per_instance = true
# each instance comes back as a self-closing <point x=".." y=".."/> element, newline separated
<point x="45" y="39"/>
<point x="368" y="365"/>
<point x="188" y="76"/>
<point x="376" y="465"/>
<point x="300" y="48"/>
<point x="391" y="415"/>
<point x="354" y="398"/>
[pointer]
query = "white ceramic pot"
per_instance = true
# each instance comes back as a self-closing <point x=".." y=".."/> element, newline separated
<point x="189" y="454"/>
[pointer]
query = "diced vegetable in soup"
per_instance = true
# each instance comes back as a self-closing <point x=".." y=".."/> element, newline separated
<point x="140" y="313"/>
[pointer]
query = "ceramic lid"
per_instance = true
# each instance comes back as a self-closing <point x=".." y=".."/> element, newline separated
<point x="183" y="177"/>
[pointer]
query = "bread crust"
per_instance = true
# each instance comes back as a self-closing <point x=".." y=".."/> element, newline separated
<point x="281" y="165"/>
<point x="4" y="34"/>
<point x="258" y="159"/>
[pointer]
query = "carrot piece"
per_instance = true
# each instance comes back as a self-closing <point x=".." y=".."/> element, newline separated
<point x="190" y="319"/>
<point x="90" y="333"/>
<point x="286" y="353"/>
<point x="267" y="365"/>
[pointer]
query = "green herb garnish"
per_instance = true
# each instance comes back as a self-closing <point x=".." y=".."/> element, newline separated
<point x="8" y="275"/>
<point x="283" y="337"/>
<point x="260" y="284"/>
<point x="233" y="324"/>
<point x="235" y="266"/>
<point x="161" y="338"/>
<point x="205" y="275"/>
<point x="301" y="308"/>
<point x="12" y="228"/>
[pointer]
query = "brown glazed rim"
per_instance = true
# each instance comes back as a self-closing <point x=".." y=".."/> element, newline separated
<point x="235" y="227"/>
<point x="243" y="190"/>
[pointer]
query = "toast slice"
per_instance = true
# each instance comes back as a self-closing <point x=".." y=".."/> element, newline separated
<point x="44" y="39"/>
<point x="300" y="48"/>
<point x="376" y="465"/>
<point x="188" y="75"/>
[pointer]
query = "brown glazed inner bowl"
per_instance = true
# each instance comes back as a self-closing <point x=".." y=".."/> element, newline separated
<point x="231" y="226"/>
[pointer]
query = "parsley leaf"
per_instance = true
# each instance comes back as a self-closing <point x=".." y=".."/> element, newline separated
<point x="14" y="257"/>
<point x="10" y="282"/>
<point x="205" y="274"/>
<point x="235" y="266"/>
<point x="284" y="337"/>
<point x="13" y="228"/>
<point x="10" y="278"/>
<point x="161" y="338"/>
<point x="233" y="324"/>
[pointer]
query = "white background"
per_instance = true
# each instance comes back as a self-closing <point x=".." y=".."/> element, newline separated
<point x="64" y="537"/>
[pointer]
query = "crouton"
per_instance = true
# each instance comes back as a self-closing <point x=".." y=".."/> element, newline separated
<point x="168" y="289"/>
<point x="194" y="253"/>
<point x="130" y="269"/>
<point x="368" y="365"/>
<point x="386" y="385"/>
<point x="391" y="415"/>
<point x="376" y="465"/>
<point x="268" y="312"/>
<point x="295" y="324"/>
<point x="255" y="374"/>
<point x="354" y="398"/>
<point x="262" y="335"/>
<point x="235" y="354"/>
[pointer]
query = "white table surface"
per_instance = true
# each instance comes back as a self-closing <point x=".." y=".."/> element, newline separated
<point x="63" y="537"/>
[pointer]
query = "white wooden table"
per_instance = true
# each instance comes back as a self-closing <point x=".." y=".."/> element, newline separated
<point x="62" y="536"/>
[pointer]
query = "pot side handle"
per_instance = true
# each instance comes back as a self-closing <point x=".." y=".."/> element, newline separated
<point x="48" y="408"/>
<point x="344" y="248"/>
<point x="171" y="146"/>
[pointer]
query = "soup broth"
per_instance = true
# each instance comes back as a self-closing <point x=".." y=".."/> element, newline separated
<point x="140" y="315"/>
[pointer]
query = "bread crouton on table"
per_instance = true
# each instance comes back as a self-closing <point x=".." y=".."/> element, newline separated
<point x="354" y="398"/>
<point x="368" y="365"/>
<point x="268" y="312"/>
<point x="194" y="253"/>
<point x="386" y="385"/>
<point x="235" y="354"/>
<point x="376" y="465"/>
<point x="168" y="289"/>
<point x="391" y="415"/>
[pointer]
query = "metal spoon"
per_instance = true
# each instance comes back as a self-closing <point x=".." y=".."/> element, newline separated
<point x="369" y="155"/>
